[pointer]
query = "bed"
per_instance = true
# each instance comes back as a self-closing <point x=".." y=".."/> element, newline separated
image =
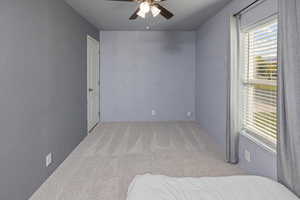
<point x="156" y="187"/>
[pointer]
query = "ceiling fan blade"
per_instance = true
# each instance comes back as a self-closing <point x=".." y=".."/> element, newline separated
<point x="164" y="12"/>
<point x="134" y="15"/>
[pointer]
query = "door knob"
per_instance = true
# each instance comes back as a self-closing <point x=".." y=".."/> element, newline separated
<point x="91" y="90"/>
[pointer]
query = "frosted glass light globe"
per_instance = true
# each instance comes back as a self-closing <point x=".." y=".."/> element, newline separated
<point x="145" y="7"/>
<point x="141" y="14"/>
<point x="155" y="11"/>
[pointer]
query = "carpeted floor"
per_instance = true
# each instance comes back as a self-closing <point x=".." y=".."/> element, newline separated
<point x="104" y="164"/>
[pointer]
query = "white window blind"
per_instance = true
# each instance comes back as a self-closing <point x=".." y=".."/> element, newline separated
<point x="260" y="80"/>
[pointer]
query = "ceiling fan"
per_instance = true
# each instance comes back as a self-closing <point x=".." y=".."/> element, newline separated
<point x="146" y="6"/>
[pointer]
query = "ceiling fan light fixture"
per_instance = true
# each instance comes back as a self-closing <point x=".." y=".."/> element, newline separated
<point x="155" y="11"/>
<point x="141" y="14"/>
<point x="148" y="6"/>
<point x="145" y="7"/>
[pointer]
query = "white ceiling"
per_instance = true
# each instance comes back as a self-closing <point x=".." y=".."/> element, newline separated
<point x="108" y="15"/>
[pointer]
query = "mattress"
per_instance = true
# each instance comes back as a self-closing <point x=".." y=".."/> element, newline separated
<point x="156" y="187"/>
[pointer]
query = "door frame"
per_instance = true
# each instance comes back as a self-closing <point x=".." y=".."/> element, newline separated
<point x="88" y="37"/>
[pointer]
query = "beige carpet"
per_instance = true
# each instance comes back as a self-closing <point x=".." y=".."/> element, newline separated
<point x="104" y="164"/>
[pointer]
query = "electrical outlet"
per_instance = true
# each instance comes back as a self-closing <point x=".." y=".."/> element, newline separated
<point x="247" y="156"/>
<point x="48" y="159"/>
<point x="189" y="114"/>
<point x="153" y="112"/>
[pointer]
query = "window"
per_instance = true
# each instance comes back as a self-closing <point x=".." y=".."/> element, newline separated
<point x="259" y="77"/>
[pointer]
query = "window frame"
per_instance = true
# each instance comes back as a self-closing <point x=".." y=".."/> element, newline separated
<point x="254" y="136"/>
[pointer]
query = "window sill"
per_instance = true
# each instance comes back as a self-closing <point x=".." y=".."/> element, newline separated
<point x="261" y="142"/>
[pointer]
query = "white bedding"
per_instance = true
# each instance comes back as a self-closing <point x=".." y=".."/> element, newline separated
<point x="155" y="187"/>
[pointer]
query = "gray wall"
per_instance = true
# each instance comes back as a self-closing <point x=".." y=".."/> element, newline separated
<point x="211" y="70"/>
<point x="141" y="71"/>
<point x="42" y="84"/>
<point x="263" y="160"/>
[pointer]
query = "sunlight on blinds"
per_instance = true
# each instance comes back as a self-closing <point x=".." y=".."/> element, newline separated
<point x="260" y="80"/>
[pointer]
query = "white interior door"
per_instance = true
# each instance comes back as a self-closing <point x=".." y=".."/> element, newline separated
<point x="93" y="82"/>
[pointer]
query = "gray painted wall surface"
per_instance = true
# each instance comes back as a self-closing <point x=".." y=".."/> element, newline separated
<point x="42" y="84"/>
<point x="141" y="71"/>
<point x="263" y="161"/>
<point x="211" y="70"/>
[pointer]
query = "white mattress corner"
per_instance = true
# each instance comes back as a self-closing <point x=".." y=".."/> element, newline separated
<point x="158" y="187"/>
